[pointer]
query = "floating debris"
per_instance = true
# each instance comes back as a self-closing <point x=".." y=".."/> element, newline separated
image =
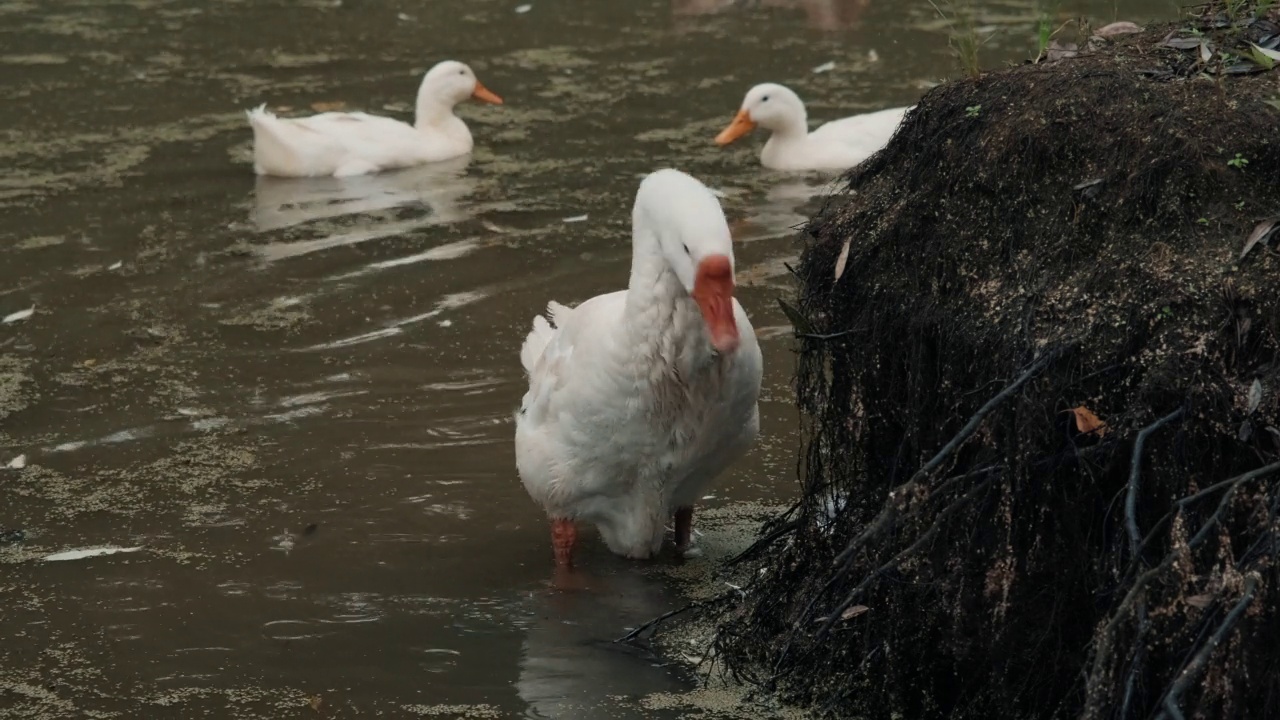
<point x="20" y="315"/>
<point x="575" y="219"/>
<point x="522" y="9"/>
<point x="18" y="463"/>
<point x="88" y="553"/>
<point x="825" y="67"/>
<point x="116" y="265"/>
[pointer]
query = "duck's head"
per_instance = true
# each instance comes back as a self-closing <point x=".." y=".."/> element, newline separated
<point x="770" y="106"/>
<point x="686" y="220"/>
<point x="450" y="82"/>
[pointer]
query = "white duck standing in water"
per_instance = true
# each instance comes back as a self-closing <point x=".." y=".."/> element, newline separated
<point x="639" y="398"/>
<point x="837" y="145"/>
<point x="343" y="144"/>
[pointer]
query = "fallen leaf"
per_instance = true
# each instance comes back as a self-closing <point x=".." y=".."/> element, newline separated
<point x="1206" y="54"/>
<point x="328" y="106"/>
<point x="1123" y="27"/>
<point x="1246" y="431"/>
<point x="844" y="257"/>
<point x="89" y="363"/>
<point x="316" y="702"/>
<point x="1262" y="232"/>
<point x="1182" y="43"/>
<point x="1200" y="601"/>
<point x="1060" y="51"/>
<point x="20" y="315"/>
<point x="1259" y="57"/>
<point x="1272" y="55"/>
<point x="853" y="611"/>
<point x="798" y="321"/>
<point x="1255" y="395"/>
<point x="1087" y="422"/>
<point x="18" y="463"/>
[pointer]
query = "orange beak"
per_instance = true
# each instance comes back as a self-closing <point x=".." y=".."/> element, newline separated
<point x="713" y="291"/>
<point x="741" y="125"/>
<point x="484" y="94"/>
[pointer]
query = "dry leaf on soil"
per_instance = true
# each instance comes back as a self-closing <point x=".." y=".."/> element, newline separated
<point x="1260" y="232"/>
<point x="853" y="612"/>
<point x="843" y="259"/>
<point x="1087" y="422"/>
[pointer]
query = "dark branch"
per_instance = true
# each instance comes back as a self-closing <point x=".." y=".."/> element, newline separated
<point x="899" y="494"/>
<point x="1201" y="659"/>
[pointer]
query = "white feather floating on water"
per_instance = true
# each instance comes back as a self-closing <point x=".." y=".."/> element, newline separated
<point x="522" y="9"/>
<point x="825" y="67"/>
<point x="20" y="315"/>
<point x="18" y="463"/>
<point x="88" y="553"/>
<point x="116" y="265"/>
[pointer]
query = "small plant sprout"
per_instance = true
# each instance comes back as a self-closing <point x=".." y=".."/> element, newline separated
<point x="973" y="111"/>
<point x="1238" y="162"/>
<point x="964" y="36"/>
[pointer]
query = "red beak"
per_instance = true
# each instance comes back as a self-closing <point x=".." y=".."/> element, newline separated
<point x="713" y="291"/>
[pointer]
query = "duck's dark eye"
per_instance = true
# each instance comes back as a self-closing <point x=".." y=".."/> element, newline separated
<point x="462" y="72"/>
<point x="686" y="248"/>
<point x="764" y="99"/>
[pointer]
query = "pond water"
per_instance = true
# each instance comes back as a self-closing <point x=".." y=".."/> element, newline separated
<point x="295" y="396"/>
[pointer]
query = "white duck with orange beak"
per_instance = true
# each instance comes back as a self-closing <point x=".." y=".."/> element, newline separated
<point x="837" y="145"/>
<point x="639" y="398"/>
<point x="342" y="144"/>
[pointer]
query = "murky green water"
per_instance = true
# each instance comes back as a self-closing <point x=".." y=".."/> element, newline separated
<point x="296" y="396"/>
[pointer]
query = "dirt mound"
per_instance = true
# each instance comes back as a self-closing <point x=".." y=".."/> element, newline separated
<point x="1039" y="383"/>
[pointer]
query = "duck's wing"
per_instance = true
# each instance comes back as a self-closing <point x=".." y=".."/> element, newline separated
<point x="563" y="352"/>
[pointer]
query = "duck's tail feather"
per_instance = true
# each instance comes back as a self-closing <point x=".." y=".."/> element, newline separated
<point x="543" y="331"/>
<point x="272" y="154"/>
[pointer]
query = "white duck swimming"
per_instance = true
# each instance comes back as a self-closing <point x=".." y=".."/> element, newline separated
<point x="639" y="398"/>
<point x="343" y="144"/>
<point x="837" y="145"/>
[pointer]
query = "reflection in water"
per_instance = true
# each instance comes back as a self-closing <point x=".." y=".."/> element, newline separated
<point x="783" y="209"/>
<point x="570" y="663"/>
<point x="280" y="203"/>
<point x="819" y="14"/>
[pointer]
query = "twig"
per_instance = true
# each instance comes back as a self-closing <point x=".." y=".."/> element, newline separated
<point x="764" y="542"/>
<point x="1184" y="502"/>
<point x="920" y="542"/>
<point x="1197" y="664"/>
<point x="670" y="614"/>
<point x="1139" y="584"/>
<point x="826" y="336"/>
<point x="1135" y="474"/>
<point x="897" y="495"/>
<point x="1135" y="542"/>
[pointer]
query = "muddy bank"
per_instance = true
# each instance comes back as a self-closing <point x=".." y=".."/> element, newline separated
<point x="1039" y="386"/>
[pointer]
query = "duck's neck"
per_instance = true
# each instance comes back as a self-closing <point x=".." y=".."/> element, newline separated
<point x="665" y="330"/>
<point x="432" y="113"/>
<point x="792" y="134"/>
